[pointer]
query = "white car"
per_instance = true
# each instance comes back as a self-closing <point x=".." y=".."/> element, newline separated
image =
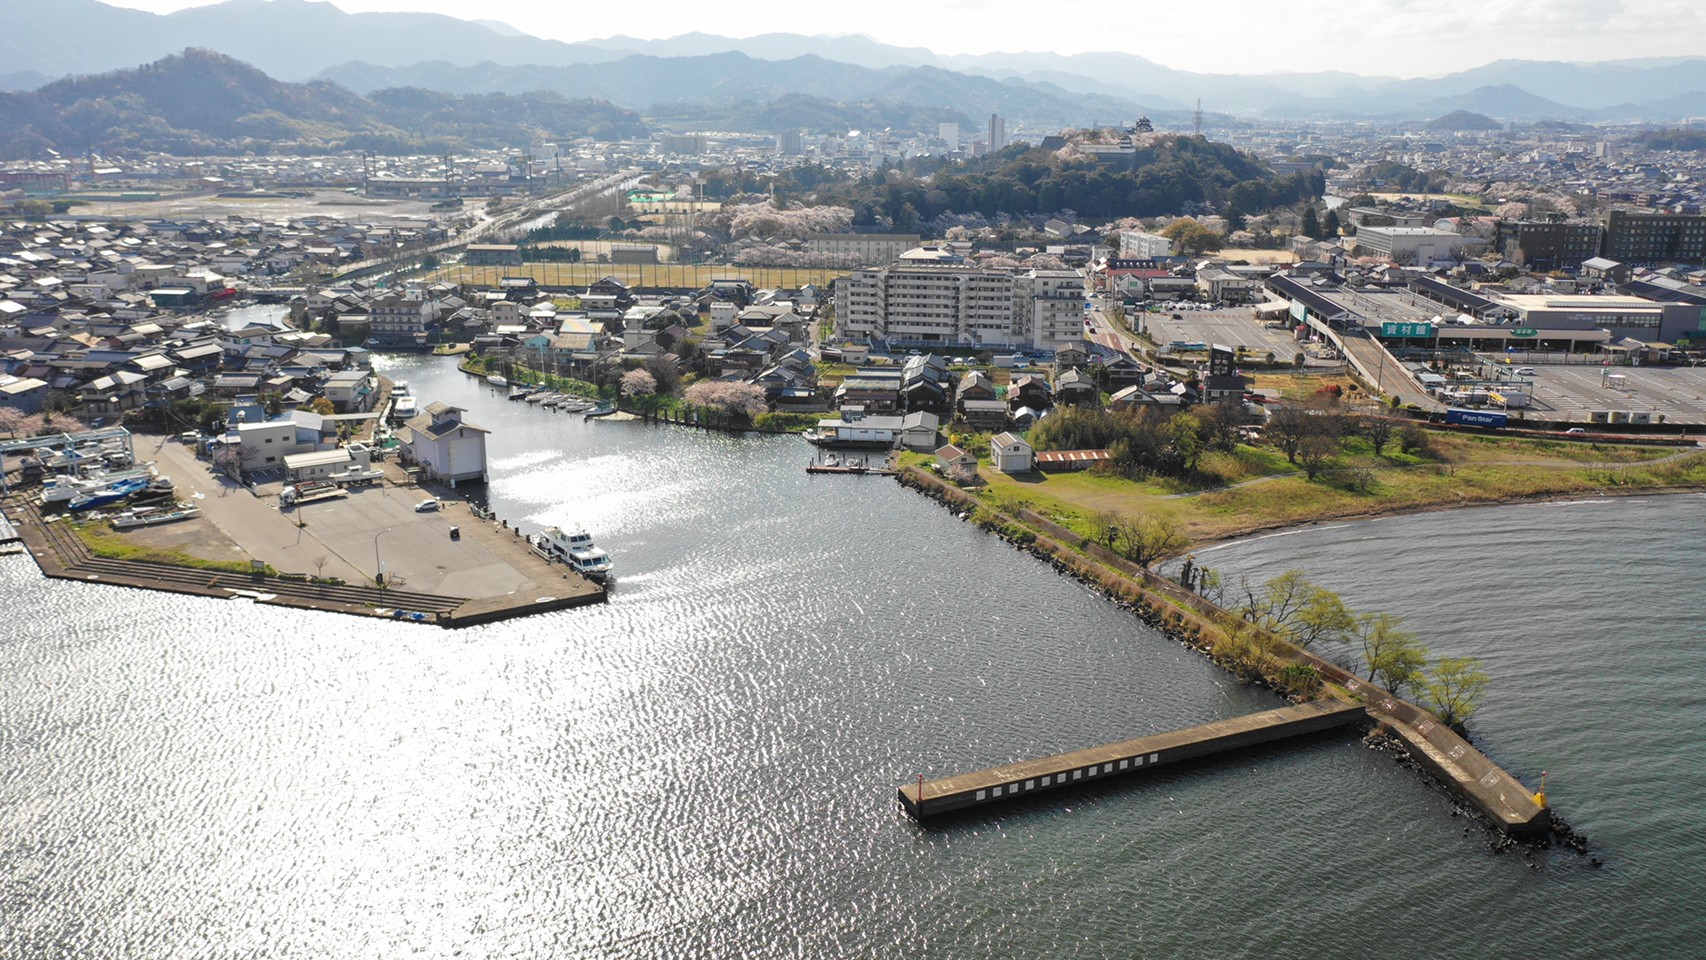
<point x="426" y="506"/>
<point x="1525" y="371"/>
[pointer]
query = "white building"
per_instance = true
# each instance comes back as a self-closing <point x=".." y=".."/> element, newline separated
<point x="931" y="297"/>
<point x="444" y="445"/>
<point x="1010" y="454"/>
<point x="263" y="446"/>
<point x="1137" y="245"/>
<point x="867" y="247"/>
<point x="1409" y="245"/>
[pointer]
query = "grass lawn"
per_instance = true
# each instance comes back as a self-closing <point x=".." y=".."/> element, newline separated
<point x="1459" y="470"/>
<point x="103" y="541"/>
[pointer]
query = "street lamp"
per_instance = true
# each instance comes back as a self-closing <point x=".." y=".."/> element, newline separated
<point x="379" y="566"/>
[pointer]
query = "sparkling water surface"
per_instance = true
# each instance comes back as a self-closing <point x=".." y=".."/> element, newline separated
<point x="706" y="766"/>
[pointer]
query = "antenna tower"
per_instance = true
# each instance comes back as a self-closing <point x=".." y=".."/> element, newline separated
<point x="1196" y="118"/>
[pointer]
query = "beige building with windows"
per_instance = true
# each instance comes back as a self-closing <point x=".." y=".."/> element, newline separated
<point x="867" y="247"/>
<point x="931" y="297"/>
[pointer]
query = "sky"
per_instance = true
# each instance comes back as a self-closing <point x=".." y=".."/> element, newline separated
<point x="1403" y="38"/>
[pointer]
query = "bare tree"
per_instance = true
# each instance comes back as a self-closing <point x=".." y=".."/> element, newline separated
<point x="1315" y="451"/>
<point x="1379" y="430"/>
<point x="1287" y="426"/>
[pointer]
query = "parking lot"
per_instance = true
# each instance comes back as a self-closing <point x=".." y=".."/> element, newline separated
<point x="1572" y="391"/>
<point x="1231" y="326"/>
<point x="355" y="534"/>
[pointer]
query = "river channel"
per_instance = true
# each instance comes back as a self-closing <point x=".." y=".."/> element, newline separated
<point x="706" y="766"/>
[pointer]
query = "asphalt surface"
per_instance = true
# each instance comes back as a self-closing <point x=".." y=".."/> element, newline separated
<point x="356" y="534"/>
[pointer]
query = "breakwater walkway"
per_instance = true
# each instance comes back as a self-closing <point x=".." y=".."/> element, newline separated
<point x="1128" y="757"/>
<point x="1451" y="759"/>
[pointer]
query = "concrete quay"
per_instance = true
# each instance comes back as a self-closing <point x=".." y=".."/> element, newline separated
<point x="933" y="798"/>
<point x="488" y="573"/>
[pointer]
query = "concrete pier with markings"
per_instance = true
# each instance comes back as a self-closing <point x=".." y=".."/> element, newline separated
<point x="962" y="791"/>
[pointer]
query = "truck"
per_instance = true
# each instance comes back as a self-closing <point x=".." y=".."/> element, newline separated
<point x="308" y="491"/>
<point x="1475" y="418"/>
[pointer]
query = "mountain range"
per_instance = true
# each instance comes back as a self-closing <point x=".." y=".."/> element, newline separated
<point x="298" y="40"/>
<point x="202" y="102"/>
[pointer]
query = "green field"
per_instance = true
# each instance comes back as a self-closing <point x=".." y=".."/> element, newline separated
<point x="1459" y="470"/>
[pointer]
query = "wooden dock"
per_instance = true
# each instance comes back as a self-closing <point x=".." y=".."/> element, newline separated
<point x="962" y="791"/>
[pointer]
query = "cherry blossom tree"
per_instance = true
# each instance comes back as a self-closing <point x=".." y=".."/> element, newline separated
<point x="727" y="396"/>
<point x="638" y="383"/>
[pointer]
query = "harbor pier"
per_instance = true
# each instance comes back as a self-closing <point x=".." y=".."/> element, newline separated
<point x="933" y="798"/>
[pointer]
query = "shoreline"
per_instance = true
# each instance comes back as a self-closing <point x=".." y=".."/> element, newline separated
<point x="1384" y="513"/>
<point x="1192" y="620"/>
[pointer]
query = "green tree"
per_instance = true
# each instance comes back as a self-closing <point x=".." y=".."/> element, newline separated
<point x="1149" y="537"/>
<point x="210" y="414"/>
<point x="1454" y="689"/>
<point x="1190" y="237"/>
<point x="1391" y="655"/>
<point x="1311" y="226"/>
<point x="1323" y="617"/>
<point x="1330" y="224"/>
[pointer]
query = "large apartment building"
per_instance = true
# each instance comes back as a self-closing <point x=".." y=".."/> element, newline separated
<point x="1545" y="245"/>
<point x="930" y="297"/>
<point x="1652" y="238"/>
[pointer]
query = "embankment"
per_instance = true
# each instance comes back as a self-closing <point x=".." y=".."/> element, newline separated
<point x="1190" y="618"/>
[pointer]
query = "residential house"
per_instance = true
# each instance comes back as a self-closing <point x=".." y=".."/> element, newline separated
<point x="1077" y="389"/>
<point x="1030" y="391"/>
<point x="1009" y="453"/>
<point x="354" y="390"/>
<point x="954" y="462"/>
<point x="920" y="430"/>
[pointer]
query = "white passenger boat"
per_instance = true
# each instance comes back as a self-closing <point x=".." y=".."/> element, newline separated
<point x="575" y="548"/>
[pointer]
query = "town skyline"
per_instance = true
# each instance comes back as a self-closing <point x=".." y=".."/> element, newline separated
<point x="1386" y="39"/>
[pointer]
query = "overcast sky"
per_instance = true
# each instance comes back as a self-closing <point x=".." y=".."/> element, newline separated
<point x="1406" y="38"/>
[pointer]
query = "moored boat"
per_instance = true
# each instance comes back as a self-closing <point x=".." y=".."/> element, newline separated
<point x="154" y="519"/>
<point x="575" y="548"/>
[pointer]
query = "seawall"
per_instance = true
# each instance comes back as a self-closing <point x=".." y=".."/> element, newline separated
<point x="1192" y="618"/>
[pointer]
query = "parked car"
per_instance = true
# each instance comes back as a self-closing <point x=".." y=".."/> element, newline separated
<point x="426" y="506"/>
<point x="1525" y="371"/>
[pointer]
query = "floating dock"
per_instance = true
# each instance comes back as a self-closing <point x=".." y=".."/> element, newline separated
<point x="933" y="798"/>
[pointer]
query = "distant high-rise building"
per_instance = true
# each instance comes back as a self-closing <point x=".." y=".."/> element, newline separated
<point x="791" y="143"/>
<point x="997" y="133"/>
<point x="949" y="132"/>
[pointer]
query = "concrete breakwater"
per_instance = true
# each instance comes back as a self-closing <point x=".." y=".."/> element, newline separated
<point x="1077" y="767"/>
<point x="1190" y="618"/>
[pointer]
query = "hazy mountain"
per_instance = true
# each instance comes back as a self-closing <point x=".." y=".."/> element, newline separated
<point x="289" y="39"/>
<point x="296" y="39"/>
<point x="1503" y="101"/>
<point x="23" y="80"/>
<point x="858" y="50"/>
<point x="640" y="82"/>
<point x="200" y="102"/>
<point x="1459" y="120"/>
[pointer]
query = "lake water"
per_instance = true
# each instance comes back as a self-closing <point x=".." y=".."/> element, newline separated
<point x="706" y="766"/>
